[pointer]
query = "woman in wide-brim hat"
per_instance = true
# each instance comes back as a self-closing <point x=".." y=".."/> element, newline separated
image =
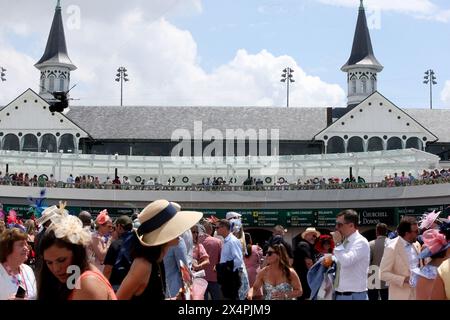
<point x="162" y="223"/>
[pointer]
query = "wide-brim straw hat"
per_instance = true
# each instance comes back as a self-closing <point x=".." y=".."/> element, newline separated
<point x="162" y="221"/>
<point x="310" y="230"/>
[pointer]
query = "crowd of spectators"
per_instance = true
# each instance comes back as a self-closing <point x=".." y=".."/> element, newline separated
<point x="220" y="183"/>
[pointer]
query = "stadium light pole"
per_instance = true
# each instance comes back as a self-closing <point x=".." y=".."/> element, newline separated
<point x="122" y="76"/>
<point x="287" y="77"/>
<point x="430" y="79"/>
<point x="2" y="74"/>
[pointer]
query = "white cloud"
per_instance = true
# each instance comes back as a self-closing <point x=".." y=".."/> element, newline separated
<point x="162" y="62"/>
<point x="445" y="94"/>
<point x="423" y="9"/>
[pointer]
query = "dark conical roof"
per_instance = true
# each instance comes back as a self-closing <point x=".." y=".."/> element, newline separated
<point x="362" y="51"/>
<point x="56" y="49"/>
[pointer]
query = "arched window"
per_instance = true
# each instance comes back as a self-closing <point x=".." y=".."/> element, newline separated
<point x="373" y="81"/>
<point x="335" y="145"/>
<point x="67" y="144"/>
<point x="363" y="84"/>
<point x="355" y="144"/>
<point x="394" y="143"/>
<point x="48" y="143"/>
<point x="353" y="85"/>
<point x="62" y="78"/>
<point x="51" y="83"/>
<point x="30" y="143"/>
<point x="415" y="143"/>
<point x="11" y="142"/>
<point x="375" y="144"/>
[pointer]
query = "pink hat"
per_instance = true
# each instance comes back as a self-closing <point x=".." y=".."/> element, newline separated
<point x="102" y="217"/>
<point x="434" y="242"/>
<point x="428" y="219"/>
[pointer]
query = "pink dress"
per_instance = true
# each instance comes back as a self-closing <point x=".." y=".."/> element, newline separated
<point x="111" y="294"/>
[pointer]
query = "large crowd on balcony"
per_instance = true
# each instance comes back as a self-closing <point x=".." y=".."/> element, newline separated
<point x="219" y="183"/>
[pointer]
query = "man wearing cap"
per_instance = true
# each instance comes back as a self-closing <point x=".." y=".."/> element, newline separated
<point x="353" y="258"/>
<point x="304" y="258"/>
<point x="236" y="228"/>
<point x="118" y="259"/>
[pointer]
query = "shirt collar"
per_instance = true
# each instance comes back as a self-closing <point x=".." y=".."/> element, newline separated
<point x="406" y="244"/>
<point x="352" y="236"/>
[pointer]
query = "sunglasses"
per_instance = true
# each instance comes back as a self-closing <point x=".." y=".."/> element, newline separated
<point x="269" y="253"/>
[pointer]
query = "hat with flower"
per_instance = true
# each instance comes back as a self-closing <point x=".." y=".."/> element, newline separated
<point x="70" y="229"/>
<point x="428" y="219"/>
<point x="436" y="241"/>
<point x="103" y="217"/>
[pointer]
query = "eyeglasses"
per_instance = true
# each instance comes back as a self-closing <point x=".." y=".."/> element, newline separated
<point x="269" y="253"/>
<point x="194" y="232"/>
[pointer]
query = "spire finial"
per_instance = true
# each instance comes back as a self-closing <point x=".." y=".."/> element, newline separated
<point x="58" y="4"/>
<point x="361" y="6"/>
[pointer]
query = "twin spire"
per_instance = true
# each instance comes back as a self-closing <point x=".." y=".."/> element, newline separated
<point x="362" y="67"/>
<point x="56" y="49"/>
<point x="362" y="50"/>
<point x="55" y="65"/>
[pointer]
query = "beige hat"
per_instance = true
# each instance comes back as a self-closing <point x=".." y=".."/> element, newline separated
<point x="310" y="230"/>
<point x="47" y="214"/>
<point x="161" y="222"/>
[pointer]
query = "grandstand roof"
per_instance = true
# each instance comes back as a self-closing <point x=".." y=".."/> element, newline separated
<point x="434" y="121"/>
<point x="159" y="123"/>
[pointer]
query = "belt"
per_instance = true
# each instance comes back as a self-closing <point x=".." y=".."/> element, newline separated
<point x="346" y="293"/>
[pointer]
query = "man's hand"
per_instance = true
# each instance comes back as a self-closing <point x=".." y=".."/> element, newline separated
<point x="337" y="237"/>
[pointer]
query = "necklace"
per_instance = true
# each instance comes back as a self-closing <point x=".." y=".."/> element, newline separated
<point x="17" y="279"/>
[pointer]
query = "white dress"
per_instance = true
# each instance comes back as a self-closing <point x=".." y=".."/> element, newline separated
<point x="9" y="286"/>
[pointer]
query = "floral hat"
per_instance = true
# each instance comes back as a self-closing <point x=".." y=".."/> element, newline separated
<point x="70" y="229"/>
<point x="436" y="241"/>
<point x="103" y="217"/>
<point x="428" y="219"/>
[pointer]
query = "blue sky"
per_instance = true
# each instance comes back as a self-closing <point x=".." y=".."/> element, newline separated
<point x="215" y="52"/>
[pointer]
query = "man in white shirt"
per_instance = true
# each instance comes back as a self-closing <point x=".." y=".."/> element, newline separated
<point x="353" y="257"/>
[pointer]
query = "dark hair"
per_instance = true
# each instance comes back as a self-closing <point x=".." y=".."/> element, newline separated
<point x="405" y="225"/>
<point x="125" y="222"/>
<point x="224" y="223"/>
<point x="48" y="286"/>
<point x="381" y="229"/>
<point x="151" y="254"/>
<point x="7" y="239"/>
<point x="350" y="216"/>
<point x="249" y="242"/>
<point x="284" y="264"/>
<point x="86" y="218"/>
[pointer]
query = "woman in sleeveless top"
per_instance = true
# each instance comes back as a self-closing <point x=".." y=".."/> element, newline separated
<point x="66" y="273"/>
<point x="161" y="224"/>
<point x="278" y="280"/>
